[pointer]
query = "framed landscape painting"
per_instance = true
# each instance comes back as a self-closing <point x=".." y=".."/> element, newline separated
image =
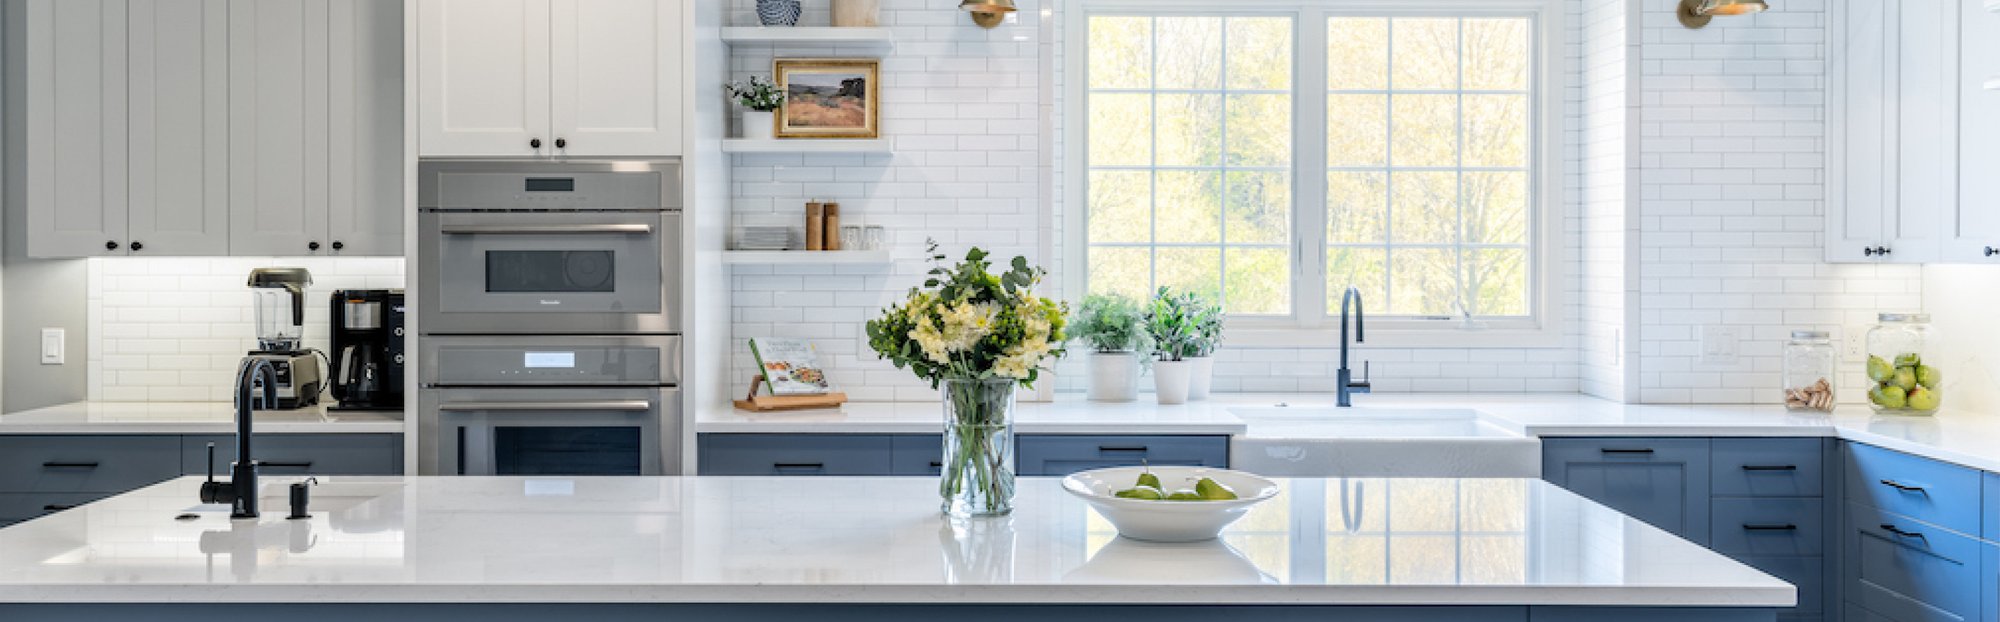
<point x="828" y="98"/>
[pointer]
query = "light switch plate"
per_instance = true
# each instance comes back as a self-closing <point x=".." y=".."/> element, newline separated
<point x="1718" y="345"/>
<point x="52" y="346"/>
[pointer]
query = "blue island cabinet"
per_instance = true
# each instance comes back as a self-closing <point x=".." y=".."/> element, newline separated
<point x="1050" y="455"/>
<point x="841" y="612"/>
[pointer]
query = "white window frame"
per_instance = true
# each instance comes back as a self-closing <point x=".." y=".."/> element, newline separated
<point x="1309" y="324"/>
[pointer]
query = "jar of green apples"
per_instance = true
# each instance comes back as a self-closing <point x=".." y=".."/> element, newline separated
<point x="1904" y="380"/>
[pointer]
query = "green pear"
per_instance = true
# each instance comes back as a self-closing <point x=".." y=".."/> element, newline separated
<point x="1906" y="378"/>
<point x="1929" y="376"/>
<point x="1184" y="494"/>
<point x="1924" y="399"/>
<point x="1213" y="490"/>
<point x="1880" y="370"/>
<point x="1889" y="396"/>
<point x="1149" y="479"/>
<point x="1909" y="360"/>
<point x="1149" y="493"/>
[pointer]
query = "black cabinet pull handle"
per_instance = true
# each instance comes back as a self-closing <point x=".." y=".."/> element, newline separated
<point x="1990" y="251"/>
<point x="337" y="245"/>
<point x="1884" y="250"/>
<point x="277" y="464"/>
<point x="937" y="465"/>
<point x="1626" y="451"/>
<point x="110" y="245"/>
<point x="1770" y="527"/>
<point x="57" y="464"/>
<point x="1137" y="449"/>
<point x="1770" y="467"/>
<point x="782" y="466"/>
<point x="136" y="245"/>
<point x="562" y="143"/>
<point x="1903" y="487"/>
<point x="1905" y="534"/>
<point x="313" y="245"/>
<point x="534" y="143"/>
<point x="57" y="507"/>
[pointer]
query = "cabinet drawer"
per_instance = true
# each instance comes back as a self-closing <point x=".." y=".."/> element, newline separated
<point x="20" y="506"/>
<point x="1768" y="467"/>
<point x="916" y="454"/>
<point x="1808" y="574"/>
<point x="795" y="454"/>
<point x="1920" y="488"/>
<point x="1747" y="526"/>
<point x="1662" y="481"/>
<point x="1059" y="455"/>
<point x="1907" y="570"/>
<point x="300" y="454"/>
<point x="86" y="463"/>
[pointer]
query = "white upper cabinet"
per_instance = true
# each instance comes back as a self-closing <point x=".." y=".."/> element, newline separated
<point x="549" y="77"/>
<point x="1972" y="230"/>
<point x="211" y="127"/>
<point x="73" y="54"/>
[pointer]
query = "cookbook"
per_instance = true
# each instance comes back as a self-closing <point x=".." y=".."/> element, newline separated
<point x="789" y="367"/>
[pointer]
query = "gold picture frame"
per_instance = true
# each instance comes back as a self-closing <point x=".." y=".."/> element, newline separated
<point x="820" y="101"/>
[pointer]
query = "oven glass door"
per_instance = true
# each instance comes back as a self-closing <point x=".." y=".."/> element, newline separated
<point x="520" y="266"/>
<point x="551" y="432"/>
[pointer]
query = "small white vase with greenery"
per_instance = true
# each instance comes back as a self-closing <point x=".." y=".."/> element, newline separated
<point x="1207" y="337"/>
<point x="1115" y="328"/>
<point x="760" y="99"/>
<point x="1174" y="322"/>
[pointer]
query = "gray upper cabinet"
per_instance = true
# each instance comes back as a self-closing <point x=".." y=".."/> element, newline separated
<point x="212" y="127"/>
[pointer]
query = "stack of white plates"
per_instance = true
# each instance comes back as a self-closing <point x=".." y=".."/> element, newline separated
<point x="765" y="238"/>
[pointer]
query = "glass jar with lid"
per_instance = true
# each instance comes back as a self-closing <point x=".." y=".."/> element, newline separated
<point x="1810" y="364"/>
<point x="1901" y="365"/>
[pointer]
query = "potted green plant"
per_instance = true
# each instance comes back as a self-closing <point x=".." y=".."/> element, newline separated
<point x="1115" y="329"/>
<point x="975" y="335"/>
<point x="1201" y="357"/>
<point x="1173" y="320"/>
<point x="760" y="99"/>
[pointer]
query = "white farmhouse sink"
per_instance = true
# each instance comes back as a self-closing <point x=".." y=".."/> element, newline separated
<point x="1380" y="442"/>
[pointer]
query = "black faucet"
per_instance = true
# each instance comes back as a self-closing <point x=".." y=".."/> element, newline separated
<point x="1344" y="379"/>
<point x="241" y="491"/>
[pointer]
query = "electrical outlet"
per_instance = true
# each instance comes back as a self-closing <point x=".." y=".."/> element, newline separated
<point x="1718" y="345"/>
<point x="1853" y="344"/>
<point x="52" y="346"/>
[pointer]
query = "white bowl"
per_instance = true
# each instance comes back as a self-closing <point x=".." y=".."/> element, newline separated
<point x="1168" y="521"/>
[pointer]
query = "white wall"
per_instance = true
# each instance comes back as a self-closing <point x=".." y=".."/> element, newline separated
<point x="1961" y="300"/>
<point x="1608" y="162"/>
<point x="173" y="329"/>
<point x="1733" y="142"/>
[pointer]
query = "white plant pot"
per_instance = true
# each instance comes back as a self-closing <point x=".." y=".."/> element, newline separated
<point x="1201" y="375"/>
<point x="1170" y="381"/>
<point x="1114" y="376"/>
<point x="757" y="124"/>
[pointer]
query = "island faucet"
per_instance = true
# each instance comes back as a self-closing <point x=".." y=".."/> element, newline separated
<point x="1344" y="379"/>
<point x="241" y="490"/>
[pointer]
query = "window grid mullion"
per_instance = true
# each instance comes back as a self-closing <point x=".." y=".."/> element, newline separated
<point x="1222" y="228"/>
<point x="1389" y="179"/>
<point x="1153" y="158"/>
<point x="1458" y="183"/>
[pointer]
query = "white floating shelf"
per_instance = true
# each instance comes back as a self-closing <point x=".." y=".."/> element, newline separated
<point x="794" y="258"/>
<point x="807" y="145"/>
<point x="810" y="36"/>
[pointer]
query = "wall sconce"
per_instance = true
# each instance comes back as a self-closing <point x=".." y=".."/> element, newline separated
<point x="1696" y="13"/>
<point x="987" y="13"/>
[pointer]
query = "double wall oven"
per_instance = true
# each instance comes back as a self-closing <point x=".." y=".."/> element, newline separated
<point x="549" y="309"/>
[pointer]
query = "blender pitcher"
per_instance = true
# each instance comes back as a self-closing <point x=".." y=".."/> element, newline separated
<point x="279" y="295"/>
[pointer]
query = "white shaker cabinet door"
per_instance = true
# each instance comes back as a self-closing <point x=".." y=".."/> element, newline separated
<point x="73" y="59"/>
<point x="365" y="155"/>
<point x="1972" y="230"/>
<point x="278" y="134"/>
<point x="483" y="75"/>
<point x="1891" y="144"/>
<point x="616" y="77"/>
<point x="179" y="130"/>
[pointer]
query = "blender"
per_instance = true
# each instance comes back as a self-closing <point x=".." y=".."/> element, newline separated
<point x="279" y="296"/>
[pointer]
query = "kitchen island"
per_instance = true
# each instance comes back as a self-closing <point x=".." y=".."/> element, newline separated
<point x="858" y="548"/>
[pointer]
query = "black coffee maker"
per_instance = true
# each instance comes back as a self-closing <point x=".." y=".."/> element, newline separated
<point x="368" y="349"/>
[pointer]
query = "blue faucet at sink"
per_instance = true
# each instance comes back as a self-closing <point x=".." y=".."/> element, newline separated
<point x="1344" y="380"/>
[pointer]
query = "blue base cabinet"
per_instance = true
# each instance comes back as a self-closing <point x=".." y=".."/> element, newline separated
<point x="1050" y="455"/>
<point x="1911" y="547"/>
<point x="1662" y="481"/>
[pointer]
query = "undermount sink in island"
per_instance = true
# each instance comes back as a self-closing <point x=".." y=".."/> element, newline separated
<point x="1473" y="550"/>
<point x="1381" y="442"/>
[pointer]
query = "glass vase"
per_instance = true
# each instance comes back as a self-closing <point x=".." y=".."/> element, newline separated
<point x="977" y="477"/>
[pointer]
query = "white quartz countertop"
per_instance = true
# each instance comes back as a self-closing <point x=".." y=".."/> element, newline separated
<point x="859" y="540"/>
<point x="1967" y="438"/>
<point x="192" y="418"/>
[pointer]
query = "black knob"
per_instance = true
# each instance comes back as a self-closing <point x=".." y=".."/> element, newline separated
<point x="562" y="143"/>
<point x="534" y="143"/>
<point x="312" y="246"/>
<point x="111" y="245"/>
<point x="136" y="245"/>
<point x="1882" y="250"/>
<point x="1870" y="251"/>
<point x="337" y="245"/>
<point x="1990" y="251"/>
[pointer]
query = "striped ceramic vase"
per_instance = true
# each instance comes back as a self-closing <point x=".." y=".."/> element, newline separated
<point x="778" y="12"/>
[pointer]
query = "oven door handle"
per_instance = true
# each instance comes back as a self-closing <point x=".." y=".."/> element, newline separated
<point x="543" y="229"/>
<point x="615" y="405"/>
